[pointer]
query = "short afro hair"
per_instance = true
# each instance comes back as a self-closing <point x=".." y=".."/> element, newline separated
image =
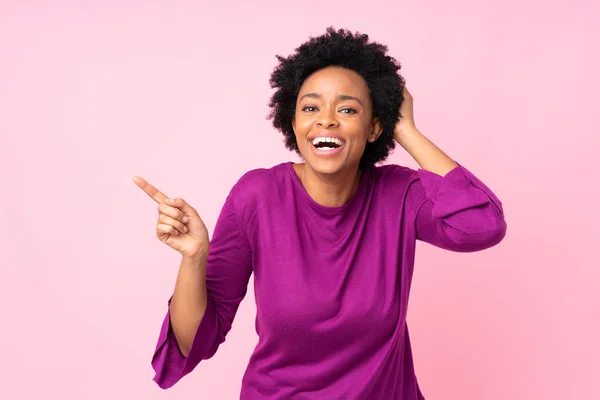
<point x="344" y="49"/>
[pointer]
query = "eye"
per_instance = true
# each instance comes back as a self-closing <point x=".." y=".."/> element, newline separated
<point x="348" y="111"/>
<point x="309" y="108"/>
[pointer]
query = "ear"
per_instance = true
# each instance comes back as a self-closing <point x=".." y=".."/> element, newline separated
<point x="376" y="129"/>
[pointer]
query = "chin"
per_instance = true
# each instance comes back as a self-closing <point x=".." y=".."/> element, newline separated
<point x="330" y="165"/>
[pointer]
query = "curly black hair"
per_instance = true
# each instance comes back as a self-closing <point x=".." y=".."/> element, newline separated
<point x="344" y="49"/>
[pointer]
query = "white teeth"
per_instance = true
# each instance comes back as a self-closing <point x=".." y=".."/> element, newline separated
<point x="318" y="140"/>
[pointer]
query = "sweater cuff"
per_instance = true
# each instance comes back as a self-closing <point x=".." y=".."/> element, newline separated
<point x="169" y="363"/>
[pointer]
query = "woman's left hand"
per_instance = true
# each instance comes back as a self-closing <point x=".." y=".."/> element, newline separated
<point x="407" y="119"/>
<point x="426" y="154"/>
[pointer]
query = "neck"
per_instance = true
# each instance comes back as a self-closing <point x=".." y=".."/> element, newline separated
<point x="329" y="190"/>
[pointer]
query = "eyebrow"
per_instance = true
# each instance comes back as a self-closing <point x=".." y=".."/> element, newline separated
<point x="340" y="97"/>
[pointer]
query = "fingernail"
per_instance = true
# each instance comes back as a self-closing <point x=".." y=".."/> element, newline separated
<point x="185" y="220"/>
<point x="185" y="229"/>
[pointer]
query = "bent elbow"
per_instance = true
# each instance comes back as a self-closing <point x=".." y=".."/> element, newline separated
<point x="468" y="242"/>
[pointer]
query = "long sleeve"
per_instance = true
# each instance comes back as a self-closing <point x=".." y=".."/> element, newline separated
<point x="456" y="212"/>
<point x="228" y="270"/>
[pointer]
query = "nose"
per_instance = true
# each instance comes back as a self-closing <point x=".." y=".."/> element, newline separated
<point x="327" y="119"/>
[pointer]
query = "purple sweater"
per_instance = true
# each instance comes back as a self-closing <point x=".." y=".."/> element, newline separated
<point x="331" y="283"/>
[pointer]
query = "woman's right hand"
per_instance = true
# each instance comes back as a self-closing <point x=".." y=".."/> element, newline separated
<point x="179" y="225"/>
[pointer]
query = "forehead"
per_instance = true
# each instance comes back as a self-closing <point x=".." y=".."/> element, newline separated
<point x="336" y="80"/>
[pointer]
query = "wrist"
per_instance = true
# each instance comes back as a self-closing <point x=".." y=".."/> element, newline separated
<point x="405" y="134"/>
<point x="198" y="260"/>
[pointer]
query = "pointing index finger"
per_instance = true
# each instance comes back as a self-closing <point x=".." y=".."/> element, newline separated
<point x="150" y="190"/>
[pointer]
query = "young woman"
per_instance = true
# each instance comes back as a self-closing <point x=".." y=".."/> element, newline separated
<point x="331" y="241"/>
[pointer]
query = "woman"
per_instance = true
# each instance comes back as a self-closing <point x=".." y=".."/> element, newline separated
<point x="331" y="241"/>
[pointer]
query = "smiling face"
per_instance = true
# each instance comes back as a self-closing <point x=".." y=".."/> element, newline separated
<point x="334" y="120"/>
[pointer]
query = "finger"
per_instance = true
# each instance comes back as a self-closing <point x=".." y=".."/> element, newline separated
<point x="168" y="229"/>
<point x="183" y="206"/>
<point x="172" y="212"/>
<point x="150" y="190"/>
<point x="166" y="220"/>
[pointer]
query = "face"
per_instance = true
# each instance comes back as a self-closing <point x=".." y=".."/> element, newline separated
<point x="334" y="120"/>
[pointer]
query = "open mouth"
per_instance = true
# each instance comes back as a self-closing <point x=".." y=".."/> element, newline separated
<point x="327" y="143"/>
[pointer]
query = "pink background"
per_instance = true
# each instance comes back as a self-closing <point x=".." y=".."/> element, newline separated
<point x="176" y="92"/>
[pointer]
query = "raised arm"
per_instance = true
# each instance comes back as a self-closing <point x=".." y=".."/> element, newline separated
<point x="452" y="208"/>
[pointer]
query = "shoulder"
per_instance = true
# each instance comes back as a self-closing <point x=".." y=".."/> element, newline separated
<point x="256" y="181"/>
<point x="399" y="182"/>
<point x="396" y="174"/>
<point x="252" y="187"/>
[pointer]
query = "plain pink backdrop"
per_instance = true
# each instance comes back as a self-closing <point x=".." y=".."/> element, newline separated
<point x="177" y="93"/>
